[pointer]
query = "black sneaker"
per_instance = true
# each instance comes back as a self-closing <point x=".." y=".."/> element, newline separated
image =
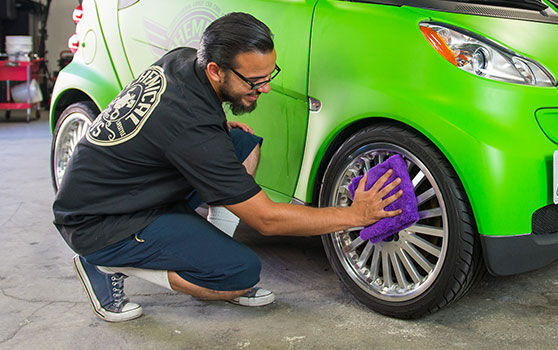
<point x="106" y="292"/>
<point x="255" y="297"/>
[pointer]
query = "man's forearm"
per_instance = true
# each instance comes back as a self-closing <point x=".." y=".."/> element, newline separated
<point x="271" y="218"/>
<point x="296" y="220"/>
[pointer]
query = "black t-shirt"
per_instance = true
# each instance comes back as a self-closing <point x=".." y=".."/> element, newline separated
<point x="164" y="135"/>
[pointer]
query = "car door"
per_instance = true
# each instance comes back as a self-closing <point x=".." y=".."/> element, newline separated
<point x="151" y="28"/>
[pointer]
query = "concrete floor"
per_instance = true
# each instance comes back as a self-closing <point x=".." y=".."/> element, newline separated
<point x="43" y="306"/>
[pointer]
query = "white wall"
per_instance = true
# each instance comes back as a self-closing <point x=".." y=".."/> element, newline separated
<point x="60" y="27"/>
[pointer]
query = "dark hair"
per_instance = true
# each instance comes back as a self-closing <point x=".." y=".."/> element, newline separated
<point x="230" y="35"/>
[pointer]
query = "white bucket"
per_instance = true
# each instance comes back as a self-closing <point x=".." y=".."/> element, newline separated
<point x="19" y="46"/>
<point x="20" y="92"/>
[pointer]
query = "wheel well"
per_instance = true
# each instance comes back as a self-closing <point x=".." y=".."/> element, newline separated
<point x="67" y="98"/>
<point x="343" y="136"/>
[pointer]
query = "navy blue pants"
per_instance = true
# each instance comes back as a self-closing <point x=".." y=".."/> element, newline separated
<point x="183" y="241"/>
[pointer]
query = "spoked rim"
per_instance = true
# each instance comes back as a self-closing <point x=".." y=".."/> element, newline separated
<point x="70" y="132"/>
<point x="404" y="266"/>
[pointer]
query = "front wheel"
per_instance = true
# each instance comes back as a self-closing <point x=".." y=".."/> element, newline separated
<point x="423" y="267"/>
<point x="70" y="128"/>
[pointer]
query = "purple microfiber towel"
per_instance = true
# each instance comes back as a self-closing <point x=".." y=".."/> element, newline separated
<point x="387" y="227"/>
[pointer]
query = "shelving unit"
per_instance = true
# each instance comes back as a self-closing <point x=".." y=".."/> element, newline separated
<point x="16" y="72"/>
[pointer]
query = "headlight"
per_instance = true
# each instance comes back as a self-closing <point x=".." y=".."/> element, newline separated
<point x="484" y="57"/>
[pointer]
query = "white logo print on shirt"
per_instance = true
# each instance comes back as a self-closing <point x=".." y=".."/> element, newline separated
<point x="125" y="115"/>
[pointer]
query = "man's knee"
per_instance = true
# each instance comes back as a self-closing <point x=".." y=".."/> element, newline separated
<point x="246" y="274"/>
<point x="253" y="266"/>
<point x="233" y="273"/>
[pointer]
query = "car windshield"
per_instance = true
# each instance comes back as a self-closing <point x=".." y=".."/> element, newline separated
<point x="536" y="5"/>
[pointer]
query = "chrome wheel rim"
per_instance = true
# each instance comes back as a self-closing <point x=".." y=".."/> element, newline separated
<point x="404" y="266"/>
<point x="70" y="132"/>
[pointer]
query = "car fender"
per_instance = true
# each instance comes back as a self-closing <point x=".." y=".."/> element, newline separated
<point x="77" y="81"/>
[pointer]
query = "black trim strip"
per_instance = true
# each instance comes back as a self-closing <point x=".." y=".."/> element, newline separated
<point x="546" y="16"/>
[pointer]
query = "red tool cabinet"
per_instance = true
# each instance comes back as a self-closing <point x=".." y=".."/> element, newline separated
<point x="16" y="72"/>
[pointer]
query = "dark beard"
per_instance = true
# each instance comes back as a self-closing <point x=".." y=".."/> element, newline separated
<point x="238" y="108"/>
<point x="235" y="102"/>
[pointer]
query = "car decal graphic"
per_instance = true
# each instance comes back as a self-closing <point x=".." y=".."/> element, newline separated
<point x="127" y="113"/>
<point x="185" y="30"/>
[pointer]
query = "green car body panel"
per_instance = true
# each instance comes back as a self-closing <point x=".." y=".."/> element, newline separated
<point x="486" y="129"/>
<point x="365" y="63"/>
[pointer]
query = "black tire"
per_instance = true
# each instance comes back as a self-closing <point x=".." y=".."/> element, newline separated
<point x="424" y="267"/>
<point x="70" y="127"/>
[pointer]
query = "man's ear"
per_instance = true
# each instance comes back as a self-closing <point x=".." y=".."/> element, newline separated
<point x="214" y="72"/>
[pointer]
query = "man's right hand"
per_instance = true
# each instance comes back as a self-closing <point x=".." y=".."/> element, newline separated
<point x="369" y="206"/>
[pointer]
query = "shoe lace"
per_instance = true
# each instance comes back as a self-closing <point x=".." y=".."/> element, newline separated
<point x="117" y="282"/>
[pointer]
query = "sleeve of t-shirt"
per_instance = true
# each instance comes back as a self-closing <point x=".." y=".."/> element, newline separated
<point x="208" y="162"/>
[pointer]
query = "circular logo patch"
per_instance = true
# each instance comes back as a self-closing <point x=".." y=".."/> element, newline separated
<point x="185" y="29"/>
<point x="125" y="115"/>
<point x="188" y="28"/>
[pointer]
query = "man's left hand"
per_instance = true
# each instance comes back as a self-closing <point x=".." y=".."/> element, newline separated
<point x="244" y="127"/>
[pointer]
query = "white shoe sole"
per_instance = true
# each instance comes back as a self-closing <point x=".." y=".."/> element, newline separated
<point x="95" y="304"/>
<point x="254" y="301"/>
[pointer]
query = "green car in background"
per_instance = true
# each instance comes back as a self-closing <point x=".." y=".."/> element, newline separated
<point x="465" y="91"/>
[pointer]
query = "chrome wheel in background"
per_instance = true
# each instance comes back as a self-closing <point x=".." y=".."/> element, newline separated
<point x="70" y="128"/>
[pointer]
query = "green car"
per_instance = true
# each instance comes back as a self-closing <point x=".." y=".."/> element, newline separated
<point x="465" y="91"/>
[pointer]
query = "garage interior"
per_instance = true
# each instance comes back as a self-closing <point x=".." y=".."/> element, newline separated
<point x="42" y="304"/>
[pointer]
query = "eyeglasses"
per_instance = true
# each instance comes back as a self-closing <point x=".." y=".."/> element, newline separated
<point x="256" y="86"/>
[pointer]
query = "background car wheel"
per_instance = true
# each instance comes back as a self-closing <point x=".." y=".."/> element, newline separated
<point x="423" y="267"/>
<point x="70" y="128"/>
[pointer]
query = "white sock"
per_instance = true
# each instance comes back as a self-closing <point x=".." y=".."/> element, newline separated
<point x="223" y="219"/>
<point x="158" y="277"/>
